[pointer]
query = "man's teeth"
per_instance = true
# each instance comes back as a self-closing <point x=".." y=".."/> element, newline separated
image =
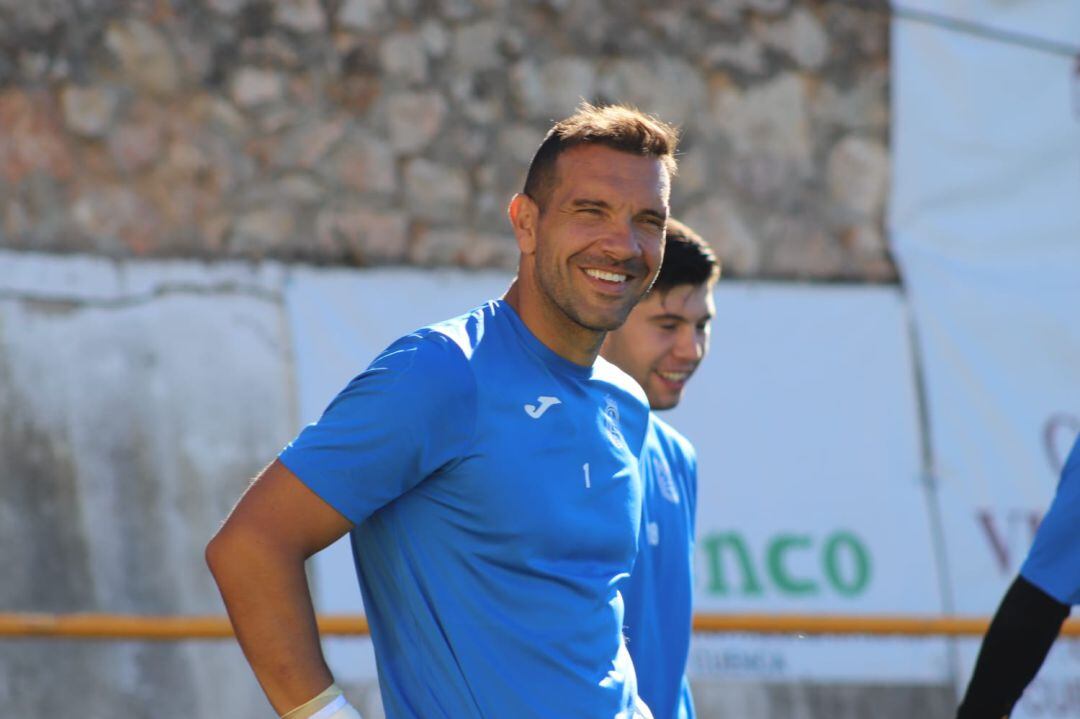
<point x="674" y="376"/>
<point x="608" y="276"/>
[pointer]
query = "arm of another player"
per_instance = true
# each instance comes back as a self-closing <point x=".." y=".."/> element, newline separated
<point x="1033" y="610"/>
<point x="257" y="559"/>
<point x="1015" y="646"/>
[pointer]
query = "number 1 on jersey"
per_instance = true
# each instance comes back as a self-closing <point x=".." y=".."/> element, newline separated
<point x="588" y="484"/>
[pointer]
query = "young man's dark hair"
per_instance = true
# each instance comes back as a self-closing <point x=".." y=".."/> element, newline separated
<point x="615" y="126"/>
<point x="688" y="259"/>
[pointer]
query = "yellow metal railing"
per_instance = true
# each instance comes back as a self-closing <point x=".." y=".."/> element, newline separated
<point x="857" y="625"/>
<point x="134" y="626"/>
<point x="173" y="628"/>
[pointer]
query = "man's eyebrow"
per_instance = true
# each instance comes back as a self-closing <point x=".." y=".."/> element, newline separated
<point x="605" y="205"/>
<point x="674" y="316"/>
<point x="586" y="202"/>
<point x="668" y="317"/>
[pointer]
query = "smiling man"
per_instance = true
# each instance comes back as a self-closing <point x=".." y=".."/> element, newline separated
<point x="661" y="345"/>
<point x="486" y="469"/>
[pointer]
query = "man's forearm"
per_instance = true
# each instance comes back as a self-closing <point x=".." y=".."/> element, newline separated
<point x="266" y="593"/>
<point x="1023" y="629"/>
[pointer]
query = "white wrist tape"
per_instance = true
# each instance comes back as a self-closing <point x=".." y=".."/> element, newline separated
<point x="329" y="704"/>
<point x="340" y="708"/>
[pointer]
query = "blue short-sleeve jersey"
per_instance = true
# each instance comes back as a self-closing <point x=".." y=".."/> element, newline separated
<point x="659" y="592"/>
<point x="496" y="499"/>
<point x="1053" y="564"/>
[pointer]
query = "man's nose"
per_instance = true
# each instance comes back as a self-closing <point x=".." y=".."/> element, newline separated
<point x="621" y="240"/>
<point x="688" y="345"/>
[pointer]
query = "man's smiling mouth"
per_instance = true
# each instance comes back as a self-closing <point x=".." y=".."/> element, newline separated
<point x="606" y="276"/>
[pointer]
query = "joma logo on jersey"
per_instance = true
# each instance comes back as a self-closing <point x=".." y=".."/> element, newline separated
<point x="543" y="403"/>
<point x="611" y="421"/>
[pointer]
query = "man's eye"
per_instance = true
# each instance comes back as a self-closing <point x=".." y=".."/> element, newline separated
<point x="669" y="326"/>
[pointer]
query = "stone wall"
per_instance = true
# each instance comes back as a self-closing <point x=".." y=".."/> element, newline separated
<point x="368" y="132"/>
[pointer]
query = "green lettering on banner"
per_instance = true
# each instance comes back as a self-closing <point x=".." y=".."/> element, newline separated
<point x="845" y="562"/>
<point x="778" y="569"/>
<point x="713" y="546"/>
<point x="860" y="558"/>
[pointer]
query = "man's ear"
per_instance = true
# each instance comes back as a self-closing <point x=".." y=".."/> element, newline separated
<point x="524" y="215"/>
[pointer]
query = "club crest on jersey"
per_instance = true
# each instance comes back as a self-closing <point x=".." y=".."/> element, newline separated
<point x="652" y="533"/>
<point x="663" y="480"/>
<point x="611" y="422"/>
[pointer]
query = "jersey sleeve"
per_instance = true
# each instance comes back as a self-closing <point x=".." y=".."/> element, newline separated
<point x="1053" y="563"/>
<point x="408" y="416"/>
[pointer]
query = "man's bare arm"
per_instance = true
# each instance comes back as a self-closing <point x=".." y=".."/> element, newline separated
<point x="257" y="559"/>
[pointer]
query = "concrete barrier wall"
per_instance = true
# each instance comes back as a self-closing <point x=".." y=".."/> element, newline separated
<point x="136" y="399"/>
<point x="135" y="402"/>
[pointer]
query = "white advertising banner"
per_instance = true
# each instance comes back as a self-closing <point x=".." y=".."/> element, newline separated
<point x="985" y="222"/>
<point x="806" y="424"/>
<point x="811" y="498"/>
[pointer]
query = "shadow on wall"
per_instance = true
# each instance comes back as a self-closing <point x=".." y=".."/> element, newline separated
<point x="128" y="426"/>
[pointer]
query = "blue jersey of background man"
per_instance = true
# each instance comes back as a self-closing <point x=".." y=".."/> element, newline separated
<point x="658" y="594"/>
<point x="496" y="499"/>
<point x="1053" y="564"/>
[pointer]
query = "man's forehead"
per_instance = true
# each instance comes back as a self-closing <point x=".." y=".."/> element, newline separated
<point x="599" y="167"/>
<point x="684" y="299"/>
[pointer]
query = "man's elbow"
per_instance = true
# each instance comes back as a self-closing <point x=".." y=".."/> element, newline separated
<point x="240" y="547"/>
<point x="231" y="547"/>
<point x="217" y="551"/>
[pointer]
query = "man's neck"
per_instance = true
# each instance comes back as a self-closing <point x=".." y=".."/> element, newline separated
<point x="550" y="325"/>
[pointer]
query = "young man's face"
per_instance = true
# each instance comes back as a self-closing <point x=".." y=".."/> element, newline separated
<point x="600" y="233"/>
<point x="663" y="341"/>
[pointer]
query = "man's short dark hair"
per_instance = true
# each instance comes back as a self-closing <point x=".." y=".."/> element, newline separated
<point x="619" y="127"/>
<point x="688" y="259"/>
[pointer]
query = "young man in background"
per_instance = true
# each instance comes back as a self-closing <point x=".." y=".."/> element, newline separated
<point x="660" y="345"/>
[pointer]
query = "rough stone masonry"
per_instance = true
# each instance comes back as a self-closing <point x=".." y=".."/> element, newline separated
<point x="373" y="132"/>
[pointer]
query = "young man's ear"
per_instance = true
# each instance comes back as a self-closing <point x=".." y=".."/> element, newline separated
<point x="524" y="215"/>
